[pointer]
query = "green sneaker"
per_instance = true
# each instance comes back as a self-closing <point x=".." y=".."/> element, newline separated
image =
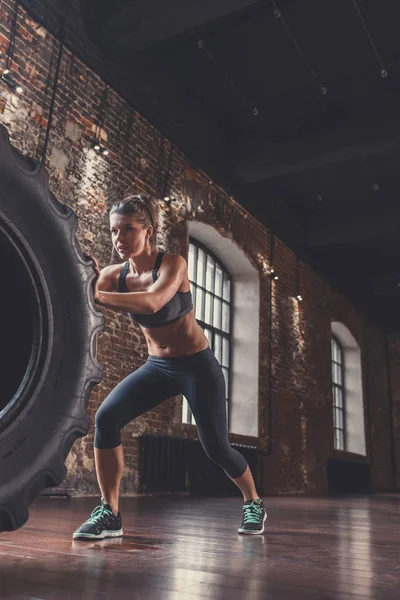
<point x="101" y="524"/>
<point x="254" y="517"/>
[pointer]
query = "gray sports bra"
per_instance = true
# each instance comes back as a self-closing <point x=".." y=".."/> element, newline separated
<point x="179" y="306"/>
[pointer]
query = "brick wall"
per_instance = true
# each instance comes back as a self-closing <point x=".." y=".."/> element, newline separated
<point x="300" y="432"/>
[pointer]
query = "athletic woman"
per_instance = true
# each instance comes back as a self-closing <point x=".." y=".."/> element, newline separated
<point x="154" y="289"/>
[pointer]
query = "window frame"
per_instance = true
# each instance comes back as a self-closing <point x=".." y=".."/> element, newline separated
<point x="342" y="387"/>
<point x="199" y="245"/>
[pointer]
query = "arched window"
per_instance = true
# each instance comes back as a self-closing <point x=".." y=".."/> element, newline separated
<point x="212" y="297"/>
<point x="348" y="401"/>
<point x="244" y="331"/>
<point x="339" y="422"/>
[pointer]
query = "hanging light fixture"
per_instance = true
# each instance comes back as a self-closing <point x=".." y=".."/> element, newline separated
<point x="299" y="297"/>
<point x="384" y="72"/>
<point x="371" y="176"/>
<point x="97" y="143"/>
<point x="99" y="148"/>
<point x="228" y="78"/>
<point x="314" y="74"/>
<point x="7" y="76"/>
<point x="273" y="275"/>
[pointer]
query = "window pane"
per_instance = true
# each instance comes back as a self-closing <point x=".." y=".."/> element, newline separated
<point x="191" y="258"/>
<point x="339" y="439"/>
<point x="210" y="274"/>
<point x="340" y="422"/>
<point x="336" y="440"/>
<point x="208" y="315"/>
<point x="207" y="333"/>
<point x="217" y="313"/>
<point x="339" y="374"/>
<point x="186" y="412"/>
<point x="225" y="317"/>
<point x="339" y="398"/>
<point x="227" y="289"/>
<point x="201" y="261"/>
<point x="334" y="396"/>
<point x="337" y="418"/>
<point x="333" y="346"/>
<point x="225" y="352"/>
<point x="218" y="280"/>
<point x="335" y="351"/>
<point x="199" y="304"/>
<point x="218" y="347"/>
<point x="339" y="359"/>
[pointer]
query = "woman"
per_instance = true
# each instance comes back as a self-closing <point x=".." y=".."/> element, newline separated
<point x="154" y="289"/>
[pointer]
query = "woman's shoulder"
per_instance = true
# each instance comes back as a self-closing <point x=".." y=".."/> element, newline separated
<point x="176" y="259"/>
<point x="113" y="269"/>
<point x="174" y="263"/>
<point x="112" y="273"/>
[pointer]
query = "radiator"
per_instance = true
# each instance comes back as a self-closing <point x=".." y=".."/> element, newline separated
<point x="170" y="464"/>
<point x="207" y="478"/>
<point x="163" y="463"/>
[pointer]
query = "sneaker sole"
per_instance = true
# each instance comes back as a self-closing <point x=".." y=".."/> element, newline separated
<point x="99" y="536"/>
<point x="247" y="532"/>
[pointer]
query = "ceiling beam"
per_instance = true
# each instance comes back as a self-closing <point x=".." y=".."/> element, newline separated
<point x="297" y="156"/>
<point x="122" y="27"/>
<point x="145" y="84"/>
<point x="354" y="228"/>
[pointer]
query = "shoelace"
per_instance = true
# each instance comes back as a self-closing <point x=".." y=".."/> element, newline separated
<point x="251" y="513"/>
<point x="97" y="514"/>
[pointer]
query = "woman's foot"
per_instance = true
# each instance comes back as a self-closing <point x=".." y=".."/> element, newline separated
<point x="254" y="517"/>
<point x="101" y="524"/>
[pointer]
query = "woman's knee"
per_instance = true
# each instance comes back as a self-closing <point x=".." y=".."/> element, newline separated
<point x="229" y="459"/>
<point x="216" y="452"/>
<point x="106" y="416"/>
<point x="107" y="428"/>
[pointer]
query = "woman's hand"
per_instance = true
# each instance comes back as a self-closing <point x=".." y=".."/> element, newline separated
<point x="96" y="269"/>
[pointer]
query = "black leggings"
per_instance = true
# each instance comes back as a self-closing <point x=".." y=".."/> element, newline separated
<point x="199" y="377"/>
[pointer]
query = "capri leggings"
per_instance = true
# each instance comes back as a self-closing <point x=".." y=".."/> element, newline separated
<point x="199" y="377"/>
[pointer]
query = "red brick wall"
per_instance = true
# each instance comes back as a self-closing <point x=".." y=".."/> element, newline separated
<point x="301" y="400"/>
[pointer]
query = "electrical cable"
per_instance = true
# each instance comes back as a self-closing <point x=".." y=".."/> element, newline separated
<point x="56" y="77"/>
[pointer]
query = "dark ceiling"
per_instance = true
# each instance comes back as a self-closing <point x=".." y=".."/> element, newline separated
<point x="292" y="105"/>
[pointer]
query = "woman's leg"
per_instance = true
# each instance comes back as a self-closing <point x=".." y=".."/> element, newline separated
<point x="246" y="485"/>
<point x="135" y="395"/>
<point x="109" y="469"/>
<point x="206" y="394"/>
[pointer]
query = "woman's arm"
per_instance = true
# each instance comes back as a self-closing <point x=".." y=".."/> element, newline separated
<point x="106" y="280"/>
<point x="172" y="271"/>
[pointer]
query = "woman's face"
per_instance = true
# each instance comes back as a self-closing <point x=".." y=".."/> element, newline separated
<point x="129" y="237"/>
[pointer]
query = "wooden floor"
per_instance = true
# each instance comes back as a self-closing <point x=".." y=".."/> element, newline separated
<point x="181" y="548"/>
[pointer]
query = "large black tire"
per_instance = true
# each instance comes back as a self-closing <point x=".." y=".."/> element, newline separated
<point x="48" y="365"/>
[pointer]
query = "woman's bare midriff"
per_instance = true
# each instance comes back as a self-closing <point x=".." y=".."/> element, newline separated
<point x="181" y="338"/>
